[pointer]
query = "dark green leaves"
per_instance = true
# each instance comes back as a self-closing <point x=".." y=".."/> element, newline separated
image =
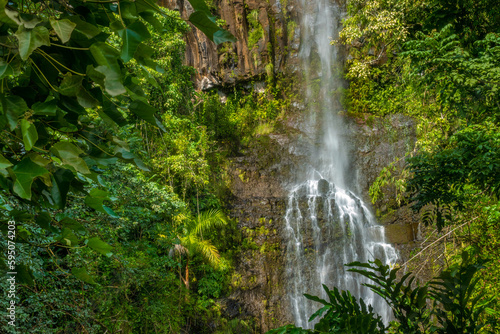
<point x="12" y="107"/>
<point x="205" y="21"/>
<point x="26" y="171"/>
<point x="100" y="246"/>
<point x="132" y="36"/>
<point x="95" y="200"/>
<point x="83" y="275"/>
<point x="31" y="39"/>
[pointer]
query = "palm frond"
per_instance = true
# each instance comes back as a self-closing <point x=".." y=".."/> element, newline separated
<point x="209" y="219"/>
<point x="208" y="251"/>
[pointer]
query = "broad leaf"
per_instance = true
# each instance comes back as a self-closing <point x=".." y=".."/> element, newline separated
<point x="112" y="81"/>
<point x="70" y="85"/>
<point x="222" y="36"/>
<point x="61" y="181"/>
<point x="31" y="39"/>
<point x="26" y="171"/>
<point x="83" y="275"/>
<point x="24" y="275"/>
<point x="4" y="163"/>
<point x="47" y="108"/>
<point x="70" y="155"/>
<point x="96" y="199"/>
<point x="13" y="107"/>
<point x="203" y="22"/>
<point x="100" y="246"/>
<point x="146" y="112"/>
<point x="132" y="36"/>
<point x="63" y="28"/>
<point x="30" y="136"/>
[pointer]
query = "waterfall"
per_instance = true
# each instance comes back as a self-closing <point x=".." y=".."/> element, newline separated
<point x="327" y="225"/>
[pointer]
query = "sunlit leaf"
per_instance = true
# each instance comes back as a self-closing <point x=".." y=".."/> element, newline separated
<point x="63" y="28"/>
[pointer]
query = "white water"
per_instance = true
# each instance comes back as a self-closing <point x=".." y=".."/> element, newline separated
<point x="327" y="225"/>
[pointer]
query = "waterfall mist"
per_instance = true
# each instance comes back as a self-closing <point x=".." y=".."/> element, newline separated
<point x="327" y="225"/>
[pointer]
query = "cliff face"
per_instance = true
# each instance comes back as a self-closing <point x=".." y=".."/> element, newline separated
<point x="266" y="35"/>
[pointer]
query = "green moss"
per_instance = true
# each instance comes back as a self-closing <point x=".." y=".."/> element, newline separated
<point x="256" y="31"/>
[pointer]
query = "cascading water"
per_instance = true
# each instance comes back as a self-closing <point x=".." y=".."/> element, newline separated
<point x="326" y="224"/>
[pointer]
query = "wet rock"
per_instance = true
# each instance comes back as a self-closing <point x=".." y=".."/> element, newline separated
<point x="323" y="187"/>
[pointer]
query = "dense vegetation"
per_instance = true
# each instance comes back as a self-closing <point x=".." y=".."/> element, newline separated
<point x="110" y="168"/>
<point x="111" y="165"/>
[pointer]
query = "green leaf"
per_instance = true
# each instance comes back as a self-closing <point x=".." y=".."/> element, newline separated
<point x="106" y="56"/>
<point x="222" y="36"/>
<point x="24" y="275"/>
<point x="44" y="221"/>
<point x="85" y="99"/>
<point x="47" y="108"/>
<point x="70" y="155"/>
<point x="63" y="28"/>
<point x="31" y="39"/>
<point x="30" y="136"/>
<point x="26" y="171"/>
<point x="4" y="17"/>
<point x="68" y="237"/>
<point x="13" y="107"/>
<point x="61" y="181"/>
<point x="100" y="246"/>
<point x="200" y="5"/>
<point x="110" y="110"/>
<point x="70" y="85"/>
<point x="5" y="69"/>
<point x="4" y="163"/>
<point x="203" y="22"/>
<point x="83" y="275"/>
<point x="146" y="112"/>
<point x="132" y="36"/>
<point x="96" y="199"/>
<point x="72" y="224"/>
<point x="151" y="19"/>
<point x="85" y="28"/>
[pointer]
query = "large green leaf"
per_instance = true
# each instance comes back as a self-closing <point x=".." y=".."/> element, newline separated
<point x="96" y="199"/>
<point x="47" y="108"/>
<point x="70" y="85"/>
<point x="222" y="36"/>
<point x="100" y="246"/>
<point x="146" y="112"/>
<point x="61" y="181"/>
<point x="30" y="136"/>
<point x="70" y="155"/>
<point x="13" y="107"/>
<point x="24" y="275"/>
<point x="200" y="5"/>
<point x="63" y="28"/>
<point x="112" y="81"/>
<point x="203" y="22"/>
<point x="105" y="55"/>
<point x="4" y="163"/>
<point x="26" y="171"/>
<point x="31" y="39"/>
<point x="132" y="36"/>
<point x="85" y="28"/>
<point x="83" y="275"/>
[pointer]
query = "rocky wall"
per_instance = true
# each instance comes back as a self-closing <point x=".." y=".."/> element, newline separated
<point x="267" y="40"/>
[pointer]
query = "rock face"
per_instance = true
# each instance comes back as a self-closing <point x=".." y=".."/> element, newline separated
<point x="266" y="35"/>
<point x="260" y="186"/>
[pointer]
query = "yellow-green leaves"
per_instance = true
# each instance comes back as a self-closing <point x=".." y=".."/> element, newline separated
<point x="30" y="136"/>
<point x="31" y="39"/>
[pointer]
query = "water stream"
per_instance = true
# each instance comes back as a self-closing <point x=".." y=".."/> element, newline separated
<point x="327" y="225"/>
